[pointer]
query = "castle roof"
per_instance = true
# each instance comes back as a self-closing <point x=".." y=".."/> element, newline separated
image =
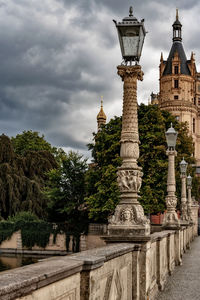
<point x="177" y="47"/>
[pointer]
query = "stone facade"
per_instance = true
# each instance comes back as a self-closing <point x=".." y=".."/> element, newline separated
<point x="180" y="87"/>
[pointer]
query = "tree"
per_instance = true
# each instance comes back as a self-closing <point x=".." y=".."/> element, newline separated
<point x="22" y="179"/>
<point x="30" y="141"/>
<point x="102" y="188"/>
<point x="65" y="192"/>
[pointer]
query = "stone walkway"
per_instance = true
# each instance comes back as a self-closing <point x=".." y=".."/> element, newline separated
<point x="184" y="284"/>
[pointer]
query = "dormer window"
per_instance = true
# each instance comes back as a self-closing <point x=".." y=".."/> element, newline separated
<point x="175" y="69"/>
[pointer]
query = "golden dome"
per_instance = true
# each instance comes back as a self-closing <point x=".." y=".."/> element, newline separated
<point x="101" y="114"/>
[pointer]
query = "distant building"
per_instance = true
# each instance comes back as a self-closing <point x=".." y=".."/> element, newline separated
<point x="180" y="87"/>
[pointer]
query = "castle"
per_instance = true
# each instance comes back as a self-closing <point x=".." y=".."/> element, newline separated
<point x="180" y="87"/>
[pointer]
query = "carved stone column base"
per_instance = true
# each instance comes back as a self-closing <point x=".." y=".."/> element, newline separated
<point x="171" y="221"/>
<point x="184" y="222"/>
<point x="128" y="221"/>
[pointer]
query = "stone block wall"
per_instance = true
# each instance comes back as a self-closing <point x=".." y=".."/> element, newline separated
<point x="122" y="271"/>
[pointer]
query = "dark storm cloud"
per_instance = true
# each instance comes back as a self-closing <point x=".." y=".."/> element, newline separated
<point x="57" y="57"/>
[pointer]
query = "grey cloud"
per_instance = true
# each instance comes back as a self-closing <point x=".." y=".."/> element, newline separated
<point x="58" y="56"/>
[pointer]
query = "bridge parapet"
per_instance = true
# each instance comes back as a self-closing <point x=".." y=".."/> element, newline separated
<point x="122" y="271"/>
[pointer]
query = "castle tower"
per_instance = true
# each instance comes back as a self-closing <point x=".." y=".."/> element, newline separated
<point x="180" y="86"/>
<point x="101" y="117"/>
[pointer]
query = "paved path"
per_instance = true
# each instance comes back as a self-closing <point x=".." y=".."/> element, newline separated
<point x="184" y="284"/>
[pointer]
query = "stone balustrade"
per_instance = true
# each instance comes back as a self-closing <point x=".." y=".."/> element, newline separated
<point x="122" y="271"/>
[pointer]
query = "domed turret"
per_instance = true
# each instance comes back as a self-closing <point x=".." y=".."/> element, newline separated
<point x="101" y="117"/>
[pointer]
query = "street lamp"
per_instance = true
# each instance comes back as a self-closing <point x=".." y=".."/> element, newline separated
<point x="171" y="220"/>
<point x="184" y="209"/>
<point x="129" y="220"/>
<point x="189" y="188"/>
<point x="131" y="35"/>
<point x="171" y="136"/>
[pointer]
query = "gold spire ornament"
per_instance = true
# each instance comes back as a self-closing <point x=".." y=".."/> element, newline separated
<point x="177" y="14"/>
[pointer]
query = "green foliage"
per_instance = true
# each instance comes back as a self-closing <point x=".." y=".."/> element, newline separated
<point x="153" y="124"/>
<point x="33" y="231"/>
<point x="23" y="216"/>
<point x="6" y="230"/>
<point x="30" y="141"/>
<point x="65" y="192"/>
<point x="37" y="232"/>
<point x="22" y="179"/>
<point x="102" y="189"/>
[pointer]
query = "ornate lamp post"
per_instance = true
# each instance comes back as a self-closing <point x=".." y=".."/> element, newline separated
<point x="171" y="220"/>
<point x="184" y="209"/>
<point x="189" y="187"/>
<point x="129" y="219"/>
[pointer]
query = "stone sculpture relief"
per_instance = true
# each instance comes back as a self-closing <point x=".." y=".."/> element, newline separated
<point x="128" y="215"/>
<point x="171" y="201"/>
<point x="129" y="180"/>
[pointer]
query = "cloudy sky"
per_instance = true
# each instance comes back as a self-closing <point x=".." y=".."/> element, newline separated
<point x="57" y="57"/>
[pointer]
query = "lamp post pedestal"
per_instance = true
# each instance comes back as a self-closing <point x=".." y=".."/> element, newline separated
<point x="129" y="219"/>
<point x="171" y="220"/>
<point x="184" y="209"/>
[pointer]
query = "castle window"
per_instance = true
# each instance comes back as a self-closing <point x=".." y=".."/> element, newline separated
<point x="176" y="84"/>
<point x="199" y="88"/>
<point x="177" y="118"/>
<point x="175" y="69"/>
<point x="193" y="125"/>
<point x="176" y="97"/>
<point x="194" y="100"/>
<point x="198" y="101"/>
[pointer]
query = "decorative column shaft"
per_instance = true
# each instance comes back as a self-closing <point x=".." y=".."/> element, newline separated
<point x="171" y="220"/>
<point x="184" y="209"/>
<point x="129" y="219"/>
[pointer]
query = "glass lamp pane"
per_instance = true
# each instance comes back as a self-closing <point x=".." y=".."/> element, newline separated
<point x="171" y="139"/>
<point x="171" y="136"/>
<point x="141" y="41"/>
<point x="183" y="166"/>
<point x="189" y="180"/>
<point x="130" y="44"/>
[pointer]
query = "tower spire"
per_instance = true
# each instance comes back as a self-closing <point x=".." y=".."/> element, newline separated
<point x="161" y="57"/>
<point x="177" y="35"/>
<point x="101" y="117"/>
<point x="177" y="14"/>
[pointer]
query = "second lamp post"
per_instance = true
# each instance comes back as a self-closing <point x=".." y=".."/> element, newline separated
<point x="184" y="209"/>
<point x="171" y="220"/>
